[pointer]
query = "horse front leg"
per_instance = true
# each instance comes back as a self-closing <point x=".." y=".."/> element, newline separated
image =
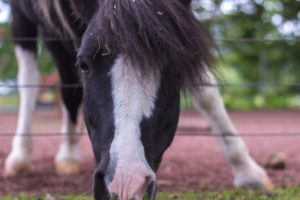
<point x="247" y="173"/>
<point x="67" y="160"/>
<point x="18" y="160"/>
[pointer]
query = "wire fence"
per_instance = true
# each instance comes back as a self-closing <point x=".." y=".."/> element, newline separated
<point x="180" y="132"/>
<point x="243" y="85"/>
<point x="217" y="39"/>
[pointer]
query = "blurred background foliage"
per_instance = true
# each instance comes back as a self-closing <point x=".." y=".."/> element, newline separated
<point x="240" y="61"/>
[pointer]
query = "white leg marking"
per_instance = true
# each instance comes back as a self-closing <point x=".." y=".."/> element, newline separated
<point x="69" y="149"/>
<point x="245" y="169"/>
<point x="68" y="157"/>
<point x="134" y="98"/>
<point x="28" y="74"/>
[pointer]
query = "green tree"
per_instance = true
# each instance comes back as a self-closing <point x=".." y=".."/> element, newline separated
<point x="259" y="62"/>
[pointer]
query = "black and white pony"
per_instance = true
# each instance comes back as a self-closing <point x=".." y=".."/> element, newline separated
<point x="135" y="56"/>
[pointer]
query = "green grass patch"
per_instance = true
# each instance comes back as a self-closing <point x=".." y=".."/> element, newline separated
<point x="280" y="194"/>
<point x="9" y="102"/>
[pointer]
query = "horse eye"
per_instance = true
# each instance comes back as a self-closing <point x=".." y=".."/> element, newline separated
<point x="84" y="68"/>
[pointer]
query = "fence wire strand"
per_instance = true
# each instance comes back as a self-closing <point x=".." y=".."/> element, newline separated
<point x="242" y="85"/>
<point x="179" y="133"/>
<point x="217" y="39"/>
<point x="42" y="86"/>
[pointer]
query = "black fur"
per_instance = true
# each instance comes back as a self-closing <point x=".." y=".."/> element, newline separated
<point x="23" y="27"/>
<point x="65" y="61"/>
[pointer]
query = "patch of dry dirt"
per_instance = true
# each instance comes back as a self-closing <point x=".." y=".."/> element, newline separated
<point x="191" y="163"/>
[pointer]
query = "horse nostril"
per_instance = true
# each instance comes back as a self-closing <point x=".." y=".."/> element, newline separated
<point x="148" y="181"/>
<point x="146" y="186"/>
<point x="152" y="190"/>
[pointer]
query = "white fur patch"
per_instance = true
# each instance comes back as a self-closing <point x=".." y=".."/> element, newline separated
<point x="28" y="74"/>
<point x="69" y="148"/>
<point x="133" y="98"/>
<point x="209" y="101"/>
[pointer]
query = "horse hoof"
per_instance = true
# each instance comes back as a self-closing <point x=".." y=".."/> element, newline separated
<point x="17" y="170"/>
<point x="265" y="184"/>
<point x="67" y="168"/>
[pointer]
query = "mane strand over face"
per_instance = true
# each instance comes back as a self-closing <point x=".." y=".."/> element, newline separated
<point x="156" y="33"/>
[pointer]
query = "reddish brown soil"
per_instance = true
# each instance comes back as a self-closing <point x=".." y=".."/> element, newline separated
<point x="191" y="163"/>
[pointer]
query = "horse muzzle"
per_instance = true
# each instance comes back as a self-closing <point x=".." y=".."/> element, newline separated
<point x="133" y="182"/>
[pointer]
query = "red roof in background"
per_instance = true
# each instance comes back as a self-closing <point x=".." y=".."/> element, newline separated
<point x="50" y="79"/>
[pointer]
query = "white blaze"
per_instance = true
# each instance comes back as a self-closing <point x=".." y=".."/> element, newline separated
<point x="133" y="98"/>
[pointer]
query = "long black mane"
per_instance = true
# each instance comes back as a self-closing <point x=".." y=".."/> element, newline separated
<point x="156" y="33"/>
<point x="161" y="34"/>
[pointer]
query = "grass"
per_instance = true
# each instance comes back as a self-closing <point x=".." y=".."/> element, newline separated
<point x="280" y="194"/>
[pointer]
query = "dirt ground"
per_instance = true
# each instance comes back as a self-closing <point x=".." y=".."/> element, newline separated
<point x="192" y="163"/>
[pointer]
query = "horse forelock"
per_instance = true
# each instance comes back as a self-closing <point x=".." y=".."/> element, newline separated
<point x="157" y="33"/>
